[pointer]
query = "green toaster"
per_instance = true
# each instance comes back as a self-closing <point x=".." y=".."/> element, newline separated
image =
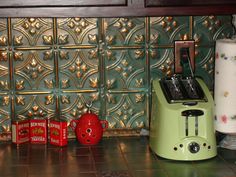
<point x="182" y="119"/>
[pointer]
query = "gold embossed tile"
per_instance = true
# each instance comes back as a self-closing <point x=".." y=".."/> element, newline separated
<point x="51" y="66"/>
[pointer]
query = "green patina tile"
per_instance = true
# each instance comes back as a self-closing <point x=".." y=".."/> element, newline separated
<point x="5" y="114"/>
<point x="80" y="71"/>
<point x="72" y="105"/>
<point x="29" y="106"/>
<point x="3" y="33"/>
<point x="163" y="64"/>
<point x="109" y="61"/>
<point x="77" y="31"/>
<point x="32" y="71"/>
<point x="4" y="76"/>
<point x="127" y="110"/>
<point x="31" y="32"/>
<point x="78" y="55"/>
<point x="125" y="31"/>
<point x="204" y="64"/>
<point x="169" y="29"/>
<point x="4" y="57"/>
<point x="209" y="28"/>
<point x="126" y="70"/>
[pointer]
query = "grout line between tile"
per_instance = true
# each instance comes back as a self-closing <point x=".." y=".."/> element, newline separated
<point x="126" y="162"/>
<point x="227" y="163"/>
<point x="93" y="160"/>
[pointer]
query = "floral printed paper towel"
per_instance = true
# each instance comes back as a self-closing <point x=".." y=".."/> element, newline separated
<point x="225" y="86"/>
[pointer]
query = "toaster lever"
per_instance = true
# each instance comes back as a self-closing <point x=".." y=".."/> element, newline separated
<point x="190" y="103"/>
<point x="192" y="113"/>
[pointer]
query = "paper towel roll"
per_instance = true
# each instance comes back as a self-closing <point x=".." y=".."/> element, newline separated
<point x="225" y="86"/>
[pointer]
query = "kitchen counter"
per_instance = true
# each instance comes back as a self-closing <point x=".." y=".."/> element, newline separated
<point x="115" y="157"/>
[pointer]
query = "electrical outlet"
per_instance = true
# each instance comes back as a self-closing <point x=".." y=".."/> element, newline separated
<point x="179" y="46"/>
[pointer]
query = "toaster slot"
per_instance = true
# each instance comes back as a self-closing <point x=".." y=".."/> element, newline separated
<point x="182" y="89"/>
<point x="186" y="125"/>
<point x="192" y="88"/>
<point x="196" y="125"/>
<point x="194" y="113"/>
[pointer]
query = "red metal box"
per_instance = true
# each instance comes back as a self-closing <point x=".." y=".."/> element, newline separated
<point x="58" y="132"/>
<point x="20" y="131"/>
<point x="38" y="131"/>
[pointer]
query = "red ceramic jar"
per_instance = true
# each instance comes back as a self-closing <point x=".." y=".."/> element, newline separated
<point x="89" y="129"/>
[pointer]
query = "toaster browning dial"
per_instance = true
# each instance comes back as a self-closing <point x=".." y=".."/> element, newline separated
<point x="193" y="147"/>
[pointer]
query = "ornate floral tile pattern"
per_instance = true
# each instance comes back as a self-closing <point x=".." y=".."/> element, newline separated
<point x="54" y="66"/>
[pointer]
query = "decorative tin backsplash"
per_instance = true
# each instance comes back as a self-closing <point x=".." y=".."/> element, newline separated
<point x="51" y="67"/>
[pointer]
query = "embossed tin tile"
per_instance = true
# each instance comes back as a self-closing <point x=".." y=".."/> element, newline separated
<point x="51" y="66"/>
<point x="125" y="31"/>
<point x="163" y="64"/>
<point x="4" y="57"/>
<point x="32" y="31"/>
<point x="75" y="31"/>
<point x="72" y="104"/>
<point x="78" y="71"/>
<point x="126" y="70"/>
<point x="4" y="76"/>
<point x="5" y="116"/>
<point x="3" y="32"/>
<point x="78" y="53"/>
<point x="5" y="83"/>
<point x="207" y="29"/>
<point x="33" y="70"/>
<point x="127" y="110"/>
<point x="37" y="105"/>
<point x="164" y="30"/>
<point x="204" y="62"/>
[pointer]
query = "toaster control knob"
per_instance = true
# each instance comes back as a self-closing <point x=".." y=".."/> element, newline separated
<point x="193" y="147"/>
